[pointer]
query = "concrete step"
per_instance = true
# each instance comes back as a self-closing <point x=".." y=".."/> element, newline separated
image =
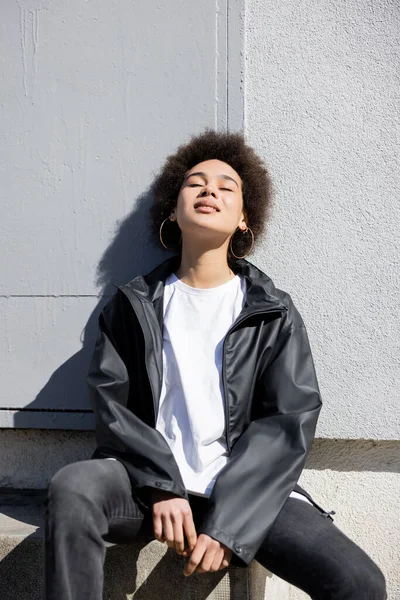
<point x="143" y="571"/>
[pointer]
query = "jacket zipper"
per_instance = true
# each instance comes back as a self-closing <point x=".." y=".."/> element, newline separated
<point x="224" y="381"/>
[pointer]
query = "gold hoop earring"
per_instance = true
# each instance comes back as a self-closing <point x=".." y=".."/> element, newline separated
<point x="251" y="247"/>
<point x="161" y="240"/>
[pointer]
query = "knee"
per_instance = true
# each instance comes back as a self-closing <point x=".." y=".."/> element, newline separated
<point x="367" y="582"/>
<point x="76" y="480"/>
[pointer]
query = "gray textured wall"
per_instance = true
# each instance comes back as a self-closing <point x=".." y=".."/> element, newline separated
<point x="322" y="108"/>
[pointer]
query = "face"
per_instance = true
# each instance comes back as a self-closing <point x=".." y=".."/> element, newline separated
<point x="210" y="201"/>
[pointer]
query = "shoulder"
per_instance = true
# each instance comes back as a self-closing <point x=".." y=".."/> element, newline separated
<point x="115" y="307"/>
<point x="287" y="300"/>
<point x="291" y="316"/>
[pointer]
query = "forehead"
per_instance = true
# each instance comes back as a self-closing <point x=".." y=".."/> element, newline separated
<point x="214" y="167"/>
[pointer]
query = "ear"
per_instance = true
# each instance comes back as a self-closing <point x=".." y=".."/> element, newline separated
<point x="173" y="214"/>
<point x="243" y="222"/>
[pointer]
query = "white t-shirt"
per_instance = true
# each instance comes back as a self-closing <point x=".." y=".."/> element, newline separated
<point x="191" y="409"/>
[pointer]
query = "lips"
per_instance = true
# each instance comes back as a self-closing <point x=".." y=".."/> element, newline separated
<point x="206" y="204"/>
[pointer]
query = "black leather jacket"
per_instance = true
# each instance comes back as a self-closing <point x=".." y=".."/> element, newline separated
<point x="272" y="403"/>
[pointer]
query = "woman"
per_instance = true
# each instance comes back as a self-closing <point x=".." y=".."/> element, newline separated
<point x="206" y="402"/>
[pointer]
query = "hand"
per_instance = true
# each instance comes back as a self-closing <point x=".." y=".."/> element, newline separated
<point x="172" y="518"/>
<point x="208" y="555"/>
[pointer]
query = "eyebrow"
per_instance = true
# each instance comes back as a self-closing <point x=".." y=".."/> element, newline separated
<point x="202" y="174"/>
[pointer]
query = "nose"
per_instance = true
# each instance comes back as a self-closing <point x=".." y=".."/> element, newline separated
<point x="209" y="189"/>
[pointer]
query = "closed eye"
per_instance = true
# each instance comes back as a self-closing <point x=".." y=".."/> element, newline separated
<point x="198" y="184"/>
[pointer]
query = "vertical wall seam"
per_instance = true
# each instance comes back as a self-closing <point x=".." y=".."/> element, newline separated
<point x="226" y="66"/>
<point x="235" y="44"/>
<point x="216" y="62"/>
<point x="221" y="65"/>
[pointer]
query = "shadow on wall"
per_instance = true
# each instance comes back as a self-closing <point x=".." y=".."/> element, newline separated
<point x="63" y="403"/>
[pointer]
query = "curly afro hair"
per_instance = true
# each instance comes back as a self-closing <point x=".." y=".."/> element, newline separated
<point x="228" y="147"/>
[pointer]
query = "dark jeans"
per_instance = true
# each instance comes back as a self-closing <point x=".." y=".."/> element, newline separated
<point x="90" y="502"/>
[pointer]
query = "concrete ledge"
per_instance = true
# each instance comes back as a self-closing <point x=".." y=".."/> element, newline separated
<point x="29" y="458"/>
<point x="143" y="571"/>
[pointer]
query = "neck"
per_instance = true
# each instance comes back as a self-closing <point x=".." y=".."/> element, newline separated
<point x="204" y="269"/>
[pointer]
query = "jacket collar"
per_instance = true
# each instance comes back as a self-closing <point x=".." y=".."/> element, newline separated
<point x="261" y="291"/>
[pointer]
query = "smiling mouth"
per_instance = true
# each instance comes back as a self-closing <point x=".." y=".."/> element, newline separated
<point x="205" y="207"/>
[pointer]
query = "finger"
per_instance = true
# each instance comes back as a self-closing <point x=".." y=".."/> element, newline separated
<point x="218" y="559"/>
<point x="228" y="555"/>
<point x="207" y="561"/>
<point x="226" y="560"/>
<point x="168" y="531"/>
<point x="179" y="542"/>
<point x="186" y="551"/>
<point x="190" y="532"/>
<point x="225" y="563"/>
<point x="158" y="529"/>
<point x="194" y="559"/>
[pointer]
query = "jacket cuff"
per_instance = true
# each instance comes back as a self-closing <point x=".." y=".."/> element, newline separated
<point x="142" y="484"/>
<point x="241" y="555"/>
<point x="143" y="491"/>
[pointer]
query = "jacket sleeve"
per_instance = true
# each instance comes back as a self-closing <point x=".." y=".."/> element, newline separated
<point x="267" y="459"/>
<point x="120" y="433"/>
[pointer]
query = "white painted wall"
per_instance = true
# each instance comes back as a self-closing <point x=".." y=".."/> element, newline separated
<point x="94" y="96"/>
